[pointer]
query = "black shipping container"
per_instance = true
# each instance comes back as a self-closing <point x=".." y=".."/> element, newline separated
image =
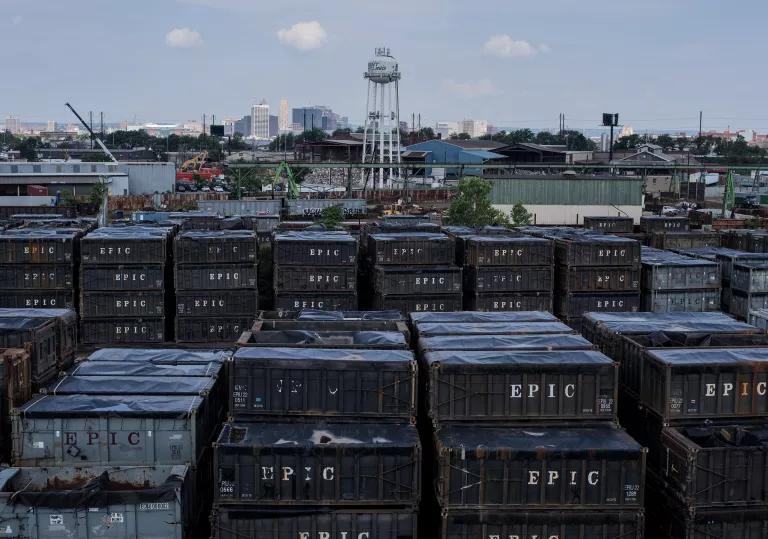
<point x="411" y="248"/>
<point x="315" y="278"/>
<point x="597" y="251"/>
<point x="508" y="251"/>
<point x="314" y="523"/>
<point x="332" y="325"/>
<point x="215" y="247"/>
<point x="296" y="301"/>
<point x="322" y="464"/>
<point x="476" y="317"/>
<point x="393" y="280"/>
<point x="575" y="305"/>
<point x="201" y="386"/>
<point x="506" y="342"/>
<point x="320" y="382"/>
<point x="125" y="245"/>
<point x="684" y="240"/>
<point x="727" y="258"/>
<point x="38" y="299"/>
<point x="609" y="224"/>
<point x="658" y="223"/>
<point x="522" y="301"/>
<point x="393" y="340"/>
<point x="216" y="277"/>
<point x="509" y="387"/>
<point x="117" y="368"/>
<point x="118" y="304"/>
<point x="37" y="277"/>
<point x="122" y="330"/>
<point x="110" y="278"/>
<point x="217" y="303"/>
<point x="303" y="248"/>
<point x="161" y="356"/>
<point x="575" y="468"/>
<point x="222" y="329"/>
<point x="339" y="316"/>
<point x="39" y="336"/>
<point x="509" y="279"/>
<point x="66" y="329"/>
<point x="416" y="303"/>
<point x="545" y="524"/>
<point x="433" y="329"/>
<point x="39" y="246"/>
<point x="585" y="279"/>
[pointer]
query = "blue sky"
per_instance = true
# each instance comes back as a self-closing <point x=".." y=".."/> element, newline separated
<point x="513" y="63"/>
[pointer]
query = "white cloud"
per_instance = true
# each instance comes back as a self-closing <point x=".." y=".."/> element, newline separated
<point x="183" y="38"/>
<point x="304" y="36"/>
<point x="471" y="89"/>
<point x="504" y="46"/>
<point x="16" y="20"/>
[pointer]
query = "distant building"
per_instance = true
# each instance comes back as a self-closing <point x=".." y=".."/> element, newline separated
<point x="446" y="129"/>
<point x="229" y="127"/>
<point x="317" y="117"/>
<point x="467" y="155"/>
<point x="243" y="126"/>
<point x="627" y="131"/>
<point x="260" y="121"/>
<point x="283" y="121"/>
<point x="50" y="126"/>
<point x="297" y="128"/>
<point x="474" y="128"/>
<point x="13" y="125"/>
<point x="274" y="124"/>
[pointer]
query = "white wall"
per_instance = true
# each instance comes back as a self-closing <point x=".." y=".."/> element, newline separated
<point x="150" y="177"/>
<point x="27" y="200"/>
<point x="552" y="214"/>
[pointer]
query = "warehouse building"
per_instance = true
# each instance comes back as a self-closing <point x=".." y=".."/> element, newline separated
<point x="565" y="199"/>
<point x="469" y="155"/>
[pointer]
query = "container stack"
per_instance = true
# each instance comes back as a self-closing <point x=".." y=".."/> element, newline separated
<point x="414" y="271"/>
<point x="508" y="273"/>
<point x="315" y="269"/>
<point x="610" y="224"/>
<point x="216" y="285"/>
<point x="328" y="448"/>
<point x="660" y="224"/>
<point x="125" y="278"/>
<point x="595" y="273"/>
<point x="523" y="430"/>
<point x="750" y="240"/>
<point x="690" y="390"/>
<point x="128" y="430"/>
<point x="748" y="287"/>
<point x="737" y="301"/>
<point x="673" y="282"/>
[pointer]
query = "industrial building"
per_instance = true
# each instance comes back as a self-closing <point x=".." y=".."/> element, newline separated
<point x="470" y="155"/>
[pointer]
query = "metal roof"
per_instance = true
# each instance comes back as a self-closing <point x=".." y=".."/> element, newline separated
<point x="475" y="144"/>
<point x="485" y="154"/>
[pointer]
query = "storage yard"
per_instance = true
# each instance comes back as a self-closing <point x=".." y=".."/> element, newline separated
<point x="215" y="375"/>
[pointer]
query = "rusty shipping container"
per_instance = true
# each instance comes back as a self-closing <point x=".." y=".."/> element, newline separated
<point x="412" y="303"/>
<point x="37" y="277"/>
<point x="39" y="337"/>
<point x="215" y="330"/>
<point x="328" y="301"/>
<point x="122" y="330"/>
<point x="575" y="305"/>
<point x="39" y="246"/>
<point x="216" y="277"/>
<point x="112" y="278"/>
<point x="38" y="299"/>
<point x="658" y="223"/>
<point x="126" y="245"/>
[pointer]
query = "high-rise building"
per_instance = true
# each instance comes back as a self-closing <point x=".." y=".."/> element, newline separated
<point x="229" y="127"/>
<point x="273" y="126"/>
<point x="315" y="117"/>
<point x="260" y="121"/>
<point x="283" y="121"/>
<point x="13" y="125"/>
<point x="474" y="128"/>
<point x="243" y="126"/>
<point x="50" y="126"/>
<point x="446" y="129"/>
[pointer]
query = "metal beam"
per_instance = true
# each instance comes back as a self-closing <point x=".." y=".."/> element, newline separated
<point x="511" y="168"/>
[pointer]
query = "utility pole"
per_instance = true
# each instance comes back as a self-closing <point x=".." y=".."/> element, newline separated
<point x="101" y="131"/>
<point x="90" y="124"/>
<point x="701" y="115"/>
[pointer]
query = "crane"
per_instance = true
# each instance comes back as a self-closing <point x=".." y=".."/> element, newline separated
<point x="93" y="135"/>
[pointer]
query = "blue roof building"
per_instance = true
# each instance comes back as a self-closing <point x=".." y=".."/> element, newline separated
<point x="468" y="154"/>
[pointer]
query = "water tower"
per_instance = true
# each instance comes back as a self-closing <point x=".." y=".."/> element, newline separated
<point x="381" y="138"/>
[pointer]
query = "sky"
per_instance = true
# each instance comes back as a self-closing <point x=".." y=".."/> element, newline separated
<point x="514" y="63"/>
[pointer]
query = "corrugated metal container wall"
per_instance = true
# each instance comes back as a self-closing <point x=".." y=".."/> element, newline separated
<point x="229" y="208"/>
<point x="557" y="191"/>
<point x="313" y="207"/>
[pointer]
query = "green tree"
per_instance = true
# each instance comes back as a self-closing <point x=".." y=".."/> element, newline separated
<point x="629" y="142"/>
<point x="28" y="148"/>
<point x="97" y="194"/>
<point x="472" y="205"/>
<point x="99" y="157"/>
<point x="341" y="132"/>
<point x="520" y="215"/>
<point x="283" y="142"/>
<point x="332" y="216"/>
<point x="666" y="142"/>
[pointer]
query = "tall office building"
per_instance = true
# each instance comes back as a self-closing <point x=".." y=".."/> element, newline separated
<point x="283" y="121"/>
<point x="260" y="121"/>
<point x="13" y="125"/>
<point x="474" y="128"/>
<point x="50" y="126"/>
<point x="317" y="117"/>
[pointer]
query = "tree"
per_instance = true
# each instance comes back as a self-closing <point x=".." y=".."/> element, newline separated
<point x="28" y="148"/>
<point x="666" y="142"/>
<point x="341" y="132"/>
<point x="99" y="157"/>
<point x="520" y="215"/>
<point x="472" y="205"/>
<point x="463" y="136"/>
<point x="629" y="142"/>
<point x="332" y="216"/>
<point x="97" y="194"/>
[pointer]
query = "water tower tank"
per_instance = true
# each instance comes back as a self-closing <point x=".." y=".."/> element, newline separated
<point x="382" y="69"/>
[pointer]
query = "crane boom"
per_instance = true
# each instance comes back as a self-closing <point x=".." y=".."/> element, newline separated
<point x="93" y="135"/>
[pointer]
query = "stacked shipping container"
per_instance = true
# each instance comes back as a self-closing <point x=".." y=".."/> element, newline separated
<point x="673" y="282"/>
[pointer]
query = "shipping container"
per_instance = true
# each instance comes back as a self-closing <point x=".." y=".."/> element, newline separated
<point x="521" y="301"/>
<point x="303" y="248"/>
<point x="586" y="279"/>
<point x="417" y="303"/>
<point x="664" y="301"/>
<point x="321" y="382"/>
<point x="509" y="279"/>
<point x="161" y="356"/>
<point x="215" y="247"/>
<point x="728" y="259"/>
<point x="117" y="369"/>
<point x="118" y="304"/>
<point x="393" y="340"/>
<point x="38" y="299"/>
<point x="112" y="278"/>
<point x="759" y="318"/>
<point x="575" y="305"/>
<point x="476" y="317"/>
<point x="229" y="208"/>
<point x="411" y="248"/>
<point x="138" y="502"/>
<point x="393" y="280"/>
<point x="39" y="337"/>
<point x="37" y="277"/>
<point x="314" y="523"/>
<point x="339" y="316"/>
<point x="66" y="329"/>
<point x="684" y="240"/>
<point x="15" y="390"/>
<point x="122" y="330"/>
<point x="137" y="385"/>
<point x="680" y="273"/>
<point x="225" y="329"/>
<point x="332" y="325"/>
<point x="511" y="387"/>
<point x="434" y="329"/>
<point x="740" y="304"/>
<point x="597" y="251"/>
<point x="217" y="303"/>
<point x="38" y="246"/>
<point x="545" y="524"/>
<point x="261" y="224"/>
<point x="313" y="207"/>
<point x="553" y="468"/>
<point x="501" y="250"/>
<point x="505" y="342"/>
<point x="609" y="224"/>
<point x="61" y="430"/>
<point x="295" y="301"/>
<point x="125" y="245"/>
<point x="355" y="464"/>
<point x="659" y="223"/>
<point x="216" y="277"/>
<point x="315" y="278"/>
<point x="751" y="278"/>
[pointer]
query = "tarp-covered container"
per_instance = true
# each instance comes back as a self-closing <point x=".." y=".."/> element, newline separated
<point x="505" y="342"/>
<point x="411" y="248"/>
<point x="161" y="356"/>
<point x="125" y="245"/>
<point x="309" y="314"/>
<point x="314" y="522"/>
<point x="83" y="503"/>
<point x="38" y="246"/>
<point x="215" y="247"/>
<point x="501" y="250"/>
<point x="317" y="464"/>
<point x="320" y="382"/>
<point x="548" y="524"/>
<point x="479" y="317"/>
<point x="684" y="240"/>
<point x="38" y="335"/>
<point x="727" y="258"/>
<point x="552" y="468"/>
<point x="332" y="324"/>
<point x="680" y="273"/>
<point x="751" y="277"/>
<point x="307" y="248"/>
<point x="134" y="385"/>
<point x="705" y="383"/>
<point x="53" y="430"/>
<point x="434" y="329"/>
<point x="665" y="301"/>
<point x="118" y="369"/>
<point x="325" y="339"/>
<point x="66" y="331"/>
<point x="510" y="387"/>
<point x="597" y="251"/>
